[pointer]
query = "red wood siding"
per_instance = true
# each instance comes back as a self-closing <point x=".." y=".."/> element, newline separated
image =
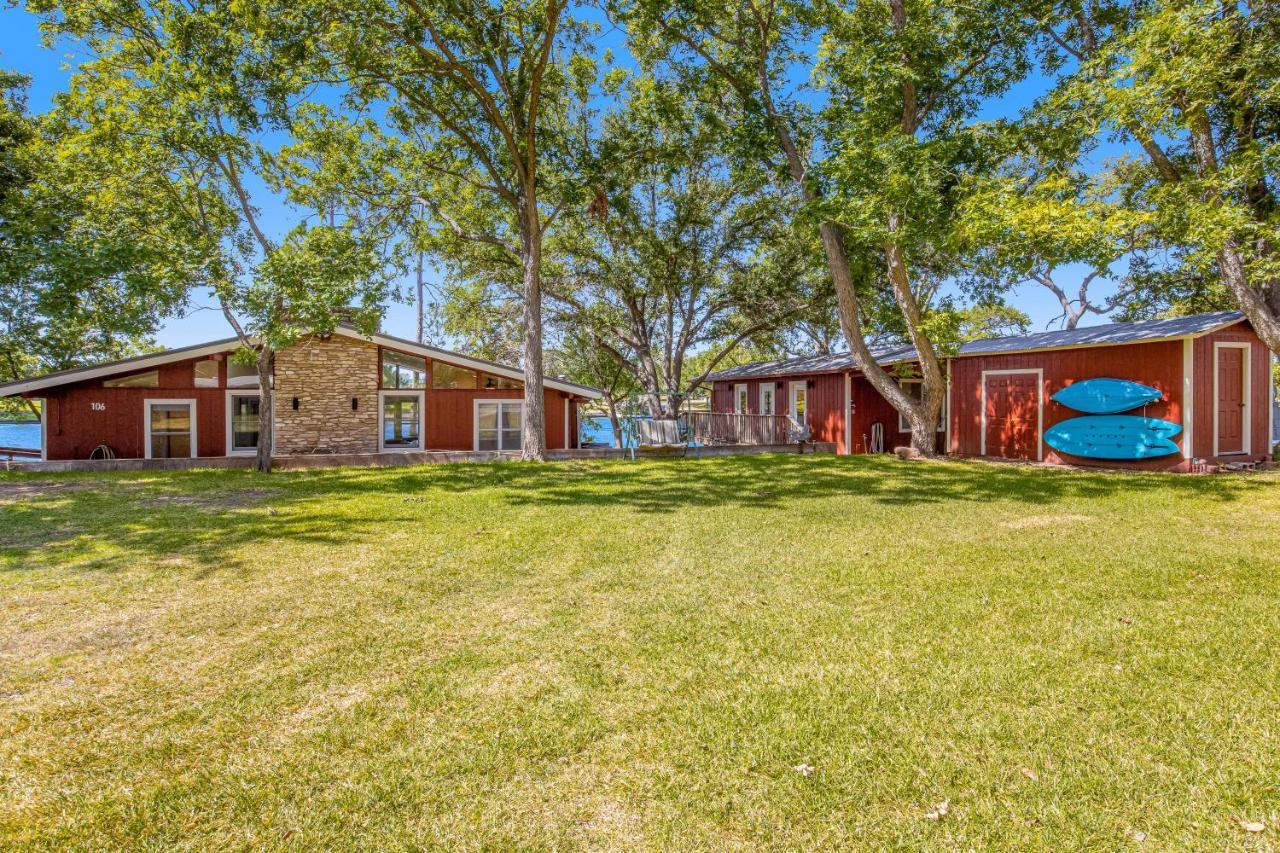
<point x="1206" y="404"/>
<point x="73" y="427"/>
<point x="870" y="408"/>
<point x="825" y="402"/>
<point x="450" y="414"/>
<point x="1157" y="364"/>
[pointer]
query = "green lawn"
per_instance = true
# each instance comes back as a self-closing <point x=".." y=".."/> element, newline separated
<point x="640" y="655"/>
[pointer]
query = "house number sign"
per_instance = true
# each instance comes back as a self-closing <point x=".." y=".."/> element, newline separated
<point x="98" y="407"/>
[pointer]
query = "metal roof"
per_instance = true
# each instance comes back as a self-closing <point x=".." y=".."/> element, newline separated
<point x="1108" y="335"/>
<point x="1112" y="333"/>
<point x="81" y="374"/>
<point x="829" y="363"/>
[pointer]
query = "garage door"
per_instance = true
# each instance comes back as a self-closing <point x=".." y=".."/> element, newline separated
<point x="1011" y="407"/>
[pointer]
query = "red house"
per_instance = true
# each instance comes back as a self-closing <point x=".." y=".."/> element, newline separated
<point x="343" y="393"/>
<point x="1212" y="369"/>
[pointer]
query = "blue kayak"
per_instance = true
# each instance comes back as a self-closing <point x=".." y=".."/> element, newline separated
<point x="1106" y="396"/>
<point x="1114" y="437"/>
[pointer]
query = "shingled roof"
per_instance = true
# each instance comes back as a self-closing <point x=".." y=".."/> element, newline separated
<point x="1108" y="335"/>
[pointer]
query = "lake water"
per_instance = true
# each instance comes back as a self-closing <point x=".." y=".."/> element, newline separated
<point x="597" y="431"/>
<point x="25" y="435"/>
<point x="594" y="430"/>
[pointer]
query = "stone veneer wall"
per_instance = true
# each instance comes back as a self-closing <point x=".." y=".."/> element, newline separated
<point x="324" y="374"/>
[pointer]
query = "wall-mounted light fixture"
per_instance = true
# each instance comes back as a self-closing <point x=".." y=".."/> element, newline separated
<point x="295" y="404"/>
<point x="778" y="384"/>
<point x="811" y="383"/>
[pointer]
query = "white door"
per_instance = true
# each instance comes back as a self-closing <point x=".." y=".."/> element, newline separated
<point x="800" y="402"/>
<point x="766" y="398"/>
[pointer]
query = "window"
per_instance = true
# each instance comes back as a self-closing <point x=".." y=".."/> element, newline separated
<point x="739" y="399"/>
<point x="150" y="379"/>
<point x="403" y="371"/>
<point x="447" y="377"/>
<point x="241" y="375"/>
<point x="206" y="374"/>
<point x="500" y="382"/>
<point x="242" y="423"/>
<point x="170" y="429"/>
<point x="401" y="421"/>
<point x="499" y="424"/>
<point x="800" y="402"/>
<point x="766" y="398"/>
<point x="913" y="389"/>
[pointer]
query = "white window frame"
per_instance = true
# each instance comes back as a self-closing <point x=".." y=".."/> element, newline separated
<point x="475" y="421"/>
<point x="1246" y="430"/>
<point x="421" y="394"/>
<point x="44" y="428"/>
<point x="1039" y="372"/>
<point x="1189" y="397"/>
<point x="772" y="408"/>
<point x="905" y="426"/>
<point x="741" y="398"/>
<point x="239" y="392"/>
<point x="148" y="402"/>
<point x="803" y="385"/>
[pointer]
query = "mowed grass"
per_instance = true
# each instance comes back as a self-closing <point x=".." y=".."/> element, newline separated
<point x="752" y="652"/>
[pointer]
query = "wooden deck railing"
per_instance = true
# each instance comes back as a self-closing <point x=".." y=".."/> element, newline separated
<point x="716" y="428"/>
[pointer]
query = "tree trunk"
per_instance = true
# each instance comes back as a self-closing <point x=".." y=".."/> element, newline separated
<point x="851" y="325"/>
<point x="1261" y="312"/>
<point x="846" y="296"/>
<point x="422" y="331"/>
<point x="266" y="405"/>
<point x="614" y="423"/>
<point x="534" y="444"/>
<point x="933" y="383"/>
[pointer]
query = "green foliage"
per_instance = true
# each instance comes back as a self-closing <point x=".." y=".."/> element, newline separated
<point x="1194" y="88"/>
<point x="174" y="125"/>
<point x="682" y="251"/>
<point x="75" y="287"/>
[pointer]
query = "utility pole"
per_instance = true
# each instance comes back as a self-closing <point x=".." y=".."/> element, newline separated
<point x="422" y="309"/>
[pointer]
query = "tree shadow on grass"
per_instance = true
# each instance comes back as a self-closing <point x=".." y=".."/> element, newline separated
<point x="674" y="485"/>
<point x="200" y="519"/>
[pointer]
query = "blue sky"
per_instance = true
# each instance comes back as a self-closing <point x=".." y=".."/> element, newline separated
<point x="21" y="50"/>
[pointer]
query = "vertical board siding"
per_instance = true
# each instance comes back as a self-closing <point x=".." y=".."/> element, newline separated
<point x="450" y="416"/>
<point x="825" y="402"/>
<point x="73" y="428"/>
<point x="1158" y="364"/>
<point x="1206" y="405"/>
<point x="870" y="408"/>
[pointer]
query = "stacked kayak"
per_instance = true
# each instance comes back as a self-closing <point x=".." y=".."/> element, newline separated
<point x="1106" y="434"/>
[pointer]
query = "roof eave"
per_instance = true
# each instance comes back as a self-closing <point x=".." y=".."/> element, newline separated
<point x="392" y="342"/>
<point x="142" y="362"/>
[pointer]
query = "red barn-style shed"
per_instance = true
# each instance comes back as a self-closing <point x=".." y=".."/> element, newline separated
<point x="1212" y="370"/>
<point x="341" y="393"/>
